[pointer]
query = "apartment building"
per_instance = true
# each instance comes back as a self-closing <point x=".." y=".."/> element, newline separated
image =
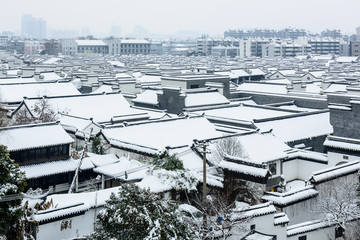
<point x="324" y="45"/>
<point x="90" y="47"/>
<point x="354" y="48"/>
<point x="204" y="45"/>
<point x="135" y="46"/>
<point x="33" y="47"/>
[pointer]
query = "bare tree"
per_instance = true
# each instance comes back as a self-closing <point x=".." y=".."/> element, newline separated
<point x="227" y="146"/>
<point x="222" y="219"/>
<point x="339" y="204"/>
<point x="3" y="118"/>
<point x="42" y="112"/>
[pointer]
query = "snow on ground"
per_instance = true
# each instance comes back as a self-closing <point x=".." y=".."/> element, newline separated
<point x="296" y="184"/>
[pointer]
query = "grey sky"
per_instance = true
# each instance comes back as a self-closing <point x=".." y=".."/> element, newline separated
<point x="166" y="16"/>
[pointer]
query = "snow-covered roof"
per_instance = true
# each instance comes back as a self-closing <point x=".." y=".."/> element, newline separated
<point x="17" y="92"/>
<point x="33" y="136"/>
<point x="256" y="72"/>
<point x="317" y="74"/>
<point x="243" y="112"/>
<point x="53" y="60"/>
<point x="280" y="218"/>
<point x="253" y="211"/>
<point x="147" y="97"/>
<point x="284" y="81"/>
<point x="244" y="169"/>
<point x="100" y="160"/>
<point x="69" y="204"/>
<point x="262" y="148"/>
<point x="90" y="43"/>
<point x="50" y="76"/>
<point x="135" y="41"/>
<point x="148" y="79"/>
<point x="100" y="107"/>
<point x="342" y="143"/>
<point x="52" y="168"/>
<point x="133" y="168"/>
<point x="336" y="88"/>
<point x="155" y="136"/>
<point x="117" y="64"/>
<point x="17" y="80"/>
<point x="73" y="124"/>
<point x="290" y="197"/>
<point x="105" y="88"/>
<point x="308" y="226"/>
<point x="287" y="72"/>
<point x="241" y="73"/>
<point x="154" y="184"/>
<point x="314" y="88"/>
<point x="70" y="209"/>
<point x="196" y="99"/>
<point x="345" y="59"/>
<point x="335" y="172"/>
<point x="253" y="235"/>
<point x="311" y="155"/>
<point x="299" y="127"/>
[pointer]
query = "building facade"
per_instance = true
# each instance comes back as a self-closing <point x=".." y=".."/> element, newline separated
<point x="354" y="48"/>
<point x="33" y="27"/>
<point x="325" y="46"/>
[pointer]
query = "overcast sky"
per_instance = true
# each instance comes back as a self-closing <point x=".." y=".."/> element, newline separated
<point x="166" y="16"/>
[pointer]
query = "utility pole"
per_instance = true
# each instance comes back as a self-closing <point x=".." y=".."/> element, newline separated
<point x="203" y="145"/>
<point x="204" y="182"/>
<point x="74" y="183"/>
<point x="97" y="181"/>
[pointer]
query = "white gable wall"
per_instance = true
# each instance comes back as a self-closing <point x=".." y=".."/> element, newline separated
<point x="290" y="170"/>
<point x="301" y="211"/>
<point x="306" y="168"/>
<point x="334" y="158"/>
<point x="300" y="169"/>
<point x="263" y="224"/>
<point x="80" y="226"/>
<point x="324" y="233"/>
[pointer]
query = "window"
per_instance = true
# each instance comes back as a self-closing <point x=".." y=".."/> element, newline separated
<point x="345" y="157"/>
<point x="252" y="227"/>
<point x="272" y="168"/>
<point x="302" y="238"/>
<point x="194" y="86"/>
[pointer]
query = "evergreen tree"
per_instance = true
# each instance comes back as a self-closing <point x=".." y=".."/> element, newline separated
<point x="167" y="162"/>
<point x="12" y="182"/>
<point x="96" y="146"/>
<point x="170" y="169"/>
<point x="135" y="213"/>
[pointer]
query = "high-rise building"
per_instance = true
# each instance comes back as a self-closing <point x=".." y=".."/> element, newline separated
<point x="358" y="34"/>
<point x="115" y="31"/>
<point x="33" y="27"/>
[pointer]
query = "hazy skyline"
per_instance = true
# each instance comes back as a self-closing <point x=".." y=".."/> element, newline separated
<point x="168" y="17"/>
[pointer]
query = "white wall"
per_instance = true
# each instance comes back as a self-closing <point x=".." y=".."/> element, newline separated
<point x="325" y="233"/>
<point x="301" y="169"/>
<point x="306" y="168"/>
<point x="301" y="211"/>
<point x="181" y="84"/>
<point x="335" y="158"/>
<point x="80" y="226"/>
<point x="290" y="170"/>
<point x="263" y="224"/>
